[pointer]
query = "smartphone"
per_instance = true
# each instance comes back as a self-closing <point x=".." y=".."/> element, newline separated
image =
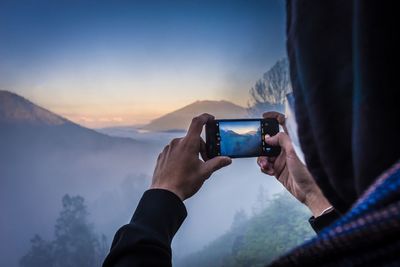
<point x="241" y="138"/>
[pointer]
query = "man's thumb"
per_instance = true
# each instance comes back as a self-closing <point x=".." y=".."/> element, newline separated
<point x="215" y="164"/>
<point x="281" y="139"/>
<point x="272" y="140"/>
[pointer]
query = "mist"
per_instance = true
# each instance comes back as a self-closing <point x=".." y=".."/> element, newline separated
<point x="111" y="176"/>
<point x="47" y="161"/>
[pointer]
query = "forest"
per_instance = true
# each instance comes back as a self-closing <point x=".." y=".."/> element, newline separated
<point x="277" y="224"/>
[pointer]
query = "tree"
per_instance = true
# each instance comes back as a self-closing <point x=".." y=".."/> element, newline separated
<point x="40" y="254"/>
<point x="239" y="219"/>
<point x="261" y="201"/>
<point x="75" y="243"/>
<point x="269" y="93"/>
<point x="281" y="226"/>
<point x="264" y="236"/>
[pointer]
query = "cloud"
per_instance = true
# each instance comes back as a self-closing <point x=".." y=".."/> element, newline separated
<point x="85" y="119"/>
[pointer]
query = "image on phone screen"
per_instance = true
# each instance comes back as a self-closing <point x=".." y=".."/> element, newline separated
<point x="240" y="138"/>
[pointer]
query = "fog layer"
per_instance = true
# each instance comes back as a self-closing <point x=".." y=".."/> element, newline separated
<point x="39" y="165"/>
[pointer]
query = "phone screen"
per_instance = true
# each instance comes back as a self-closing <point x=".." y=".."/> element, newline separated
<point x="240" y="138"/>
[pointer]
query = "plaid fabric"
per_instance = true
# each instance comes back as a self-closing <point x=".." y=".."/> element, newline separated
<point x="368" y="235"/>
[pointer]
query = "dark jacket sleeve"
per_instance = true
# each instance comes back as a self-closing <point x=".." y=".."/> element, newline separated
<point x="146" y="240"/>
<point x="319" y="223"/>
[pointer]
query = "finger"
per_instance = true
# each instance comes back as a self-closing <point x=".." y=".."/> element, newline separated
<point x="278" y="116"/>
<point x="285" y="129"/>
<point x="282" y="140"/>
<point x="279" y="165"/>
<point x="174" y="142"/>
<point x="263" y="161"/>
<point x="166" y="148"/>
<point x="266" y="166"/>
<point x="203" y="150"/>
<point x="275" y="115"/>
<point x="265" y="158"/>
<point x="215" y="164"/>
<point x="196" y="126"/>
<point x="269" y="170"/>
<point x="161" y="156"/>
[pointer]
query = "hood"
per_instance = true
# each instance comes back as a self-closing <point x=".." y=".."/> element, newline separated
<point x="341" y="55"/>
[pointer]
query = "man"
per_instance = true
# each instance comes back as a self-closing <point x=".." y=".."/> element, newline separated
<point x="341" y="56"/>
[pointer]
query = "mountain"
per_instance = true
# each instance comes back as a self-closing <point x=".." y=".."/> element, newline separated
<point x="232" y="143"/>
<point x="230" y="132"/>
<point x="235" y="134"/>
<point x="180" y="119"/>
<point x="16" y="109"/>
<point x="252" y="133"/>
<point x="43" y="156"/>
<point x="33" y="126"/>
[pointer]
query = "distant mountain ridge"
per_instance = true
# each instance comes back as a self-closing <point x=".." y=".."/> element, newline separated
<point x="17" y="109"/>
<point x="180" y="119"/>
<point x="233" y="133"/>
<point x="32" y="125"/>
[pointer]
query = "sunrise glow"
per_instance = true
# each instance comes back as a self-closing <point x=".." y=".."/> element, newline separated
<point x="103" y="64"/>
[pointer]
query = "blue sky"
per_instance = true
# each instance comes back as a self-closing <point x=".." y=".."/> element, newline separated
<point x="123" y="62"/>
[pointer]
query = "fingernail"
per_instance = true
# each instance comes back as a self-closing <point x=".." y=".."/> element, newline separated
<point x="267" y="136"/>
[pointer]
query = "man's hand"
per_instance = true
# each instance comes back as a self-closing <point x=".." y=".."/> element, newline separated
<point x="179" y="168"/>
<point x="290" y="171"/>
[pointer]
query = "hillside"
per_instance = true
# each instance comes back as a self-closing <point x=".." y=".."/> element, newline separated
<point x="180" y="119"/>
<point x="232" y="143"/>
<point x="25" y="123"/>
<point x="44" y="156"/>
<point x="16" y="109"/>
<point x="258" y="240"/>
